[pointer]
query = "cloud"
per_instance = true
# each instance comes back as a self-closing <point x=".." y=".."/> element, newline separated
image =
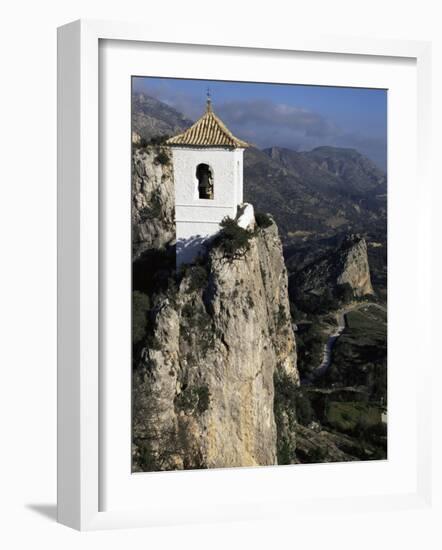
<point x="277" y="118"/>
<point x="267" y="123"/>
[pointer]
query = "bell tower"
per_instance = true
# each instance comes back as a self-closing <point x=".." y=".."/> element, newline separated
<point x="208" y="174"/>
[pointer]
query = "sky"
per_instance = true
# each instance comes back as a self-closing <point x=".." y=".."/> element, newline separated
<point x="298" y="117"/>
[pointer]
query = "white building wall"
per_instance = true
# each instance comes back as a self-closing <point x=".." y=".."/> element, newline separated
<point x="239" y="154"/>
<point x="197" y="219"/>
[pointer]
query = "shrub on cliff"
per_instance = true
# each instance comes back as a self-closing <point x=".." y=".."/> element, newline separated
<point x="284" y="406"/>
<point x="345" y="292"/>
<point x="162" y="158"/>
<point x="263" y="220"/>
<point x="233" y="240"/>
<point x="193" y="399"/>
<point x="153" y="209"/>
<point x="304" y="411"/>
<point x="158" y="140"/>
<point x="140" y="307"/>
<point x="315" y="304"/>
<point x="197" y="276"/>
<point x="141" y="144"/>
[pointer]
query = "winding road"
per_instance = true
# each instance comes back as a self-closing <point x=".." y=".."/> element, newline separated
<point x="328" y="346"/>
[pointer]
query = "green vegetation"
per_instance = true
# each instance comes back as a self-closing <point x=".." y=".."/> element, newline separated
<point x="193" y="399"/>
<point x="344" y="293"/>
<point x="233" y="240"/>
<point x="197" y="276"/>
<point x="349" y="399"/>
<point x="316" y="303"/>
<point x="146" y="460"/>
<point x="154" y="272"/>
<point x="360" y="354"/>
<point x="249" y="299"/>
<point x="203" y="398"/>
<point x="162" y="158"/>
<point x="285" y="417"/>
<point x="329" y="300"/>
<point x="263" y="220"/>
<point x="197" y="323"/>
<point x="141" y="144"/>
<point x="159" y="140"/>
<point x="140" y="308"/>
<point x="318" y="455"/>
<point x="154" y="210"/>
<point x="350" y="417"/>
<point x="310" y="340"/>
<point x="195" y="316"/>
<point x="368" y="318"/>
<point x="291" y="406"/>
<point x="281" y="318"/>
<point x="304" y="411"/>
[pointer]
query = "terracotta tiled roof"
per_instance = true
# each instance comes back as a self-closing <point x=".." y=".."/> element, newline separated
<point x="208" y="131"/>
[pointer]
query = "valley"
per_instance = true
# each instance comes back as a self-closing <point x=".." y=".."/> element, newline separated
<point x="347" y="392"/>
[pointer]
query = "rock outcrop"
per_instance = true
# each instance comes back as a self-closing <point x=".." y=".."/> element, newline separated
<point x="153" y="199"/>
<point x="352" y="266"/>
<point x="203" y="389"/>
<point x="343" y="273"/>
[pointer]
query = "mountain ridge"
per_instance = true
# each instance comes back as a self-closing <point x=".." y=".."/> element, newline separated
<point x="152" y="118"/>
<point x="315" y="196"/>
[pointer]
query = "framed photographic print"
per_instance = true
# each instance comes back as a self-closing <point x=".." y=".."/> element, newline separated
<point x="235" y="255"/>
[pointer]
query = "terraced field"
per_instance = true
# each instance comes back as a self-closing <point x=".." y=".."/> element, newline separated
<point x="349" y="402"/>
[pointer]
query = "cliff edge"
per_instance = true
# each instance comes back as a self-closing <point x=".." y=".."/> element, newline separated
<point x="210" y="341"/>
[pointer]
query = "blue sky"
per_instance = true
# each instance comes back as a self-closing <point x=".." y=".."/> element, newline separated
<point x="285" y="115"/>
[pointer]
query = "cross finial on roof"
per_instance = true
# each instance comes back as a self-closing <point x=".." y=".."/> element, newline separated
<point x="209" y="100"/>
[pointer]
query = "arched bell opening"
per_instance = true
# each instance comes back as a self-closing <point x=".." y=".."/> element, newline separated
<point x="204" y="176"/>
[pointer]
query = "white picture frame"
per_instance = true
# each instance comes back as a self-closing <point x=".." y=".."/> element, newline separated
<point x="79" y="295"/>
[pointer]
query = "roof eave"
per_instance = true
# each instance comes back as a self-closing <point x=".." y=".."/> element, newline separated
<point x="205" y="146"/>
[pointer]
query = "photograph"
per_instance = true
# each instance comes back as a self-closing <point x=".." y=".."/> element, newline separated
<point x="259" y="274"/>
<point x="221" y="275"/>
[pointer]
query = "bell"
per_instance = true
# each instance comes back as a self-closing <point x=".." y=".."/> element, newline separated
<point x="205" y="186"/>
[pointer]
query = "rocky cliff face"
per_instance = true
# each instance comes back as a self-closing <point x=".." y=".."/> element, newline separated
<point x="353" y="268"/>
<point x="341" y="273"/>
<point x="153" y="199"/>
<point x="203" y="387"/>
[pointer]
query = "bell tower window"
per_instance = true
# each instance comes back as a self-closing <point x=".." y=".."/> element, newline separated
<point x="205" y="181"/>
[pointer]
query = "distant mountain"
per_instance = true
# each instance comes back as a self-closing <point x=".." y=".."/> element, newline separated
<point x="340" y="169"/>
<point x="153" y="118"/>
<point x="307" y="200"/>
<point x="316" y="197"/>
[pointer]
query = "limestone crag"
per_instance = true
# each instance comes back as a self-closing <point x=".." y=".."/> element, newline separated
<point x="354" y="267"/>
<point x="204" y="385"/>
<point x="345" y="268"/>
<point x="153" y="199"/>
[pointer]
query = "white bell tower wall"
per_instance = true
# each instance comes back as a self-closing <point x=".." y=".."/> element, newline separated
<point x="197" y="219"/>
